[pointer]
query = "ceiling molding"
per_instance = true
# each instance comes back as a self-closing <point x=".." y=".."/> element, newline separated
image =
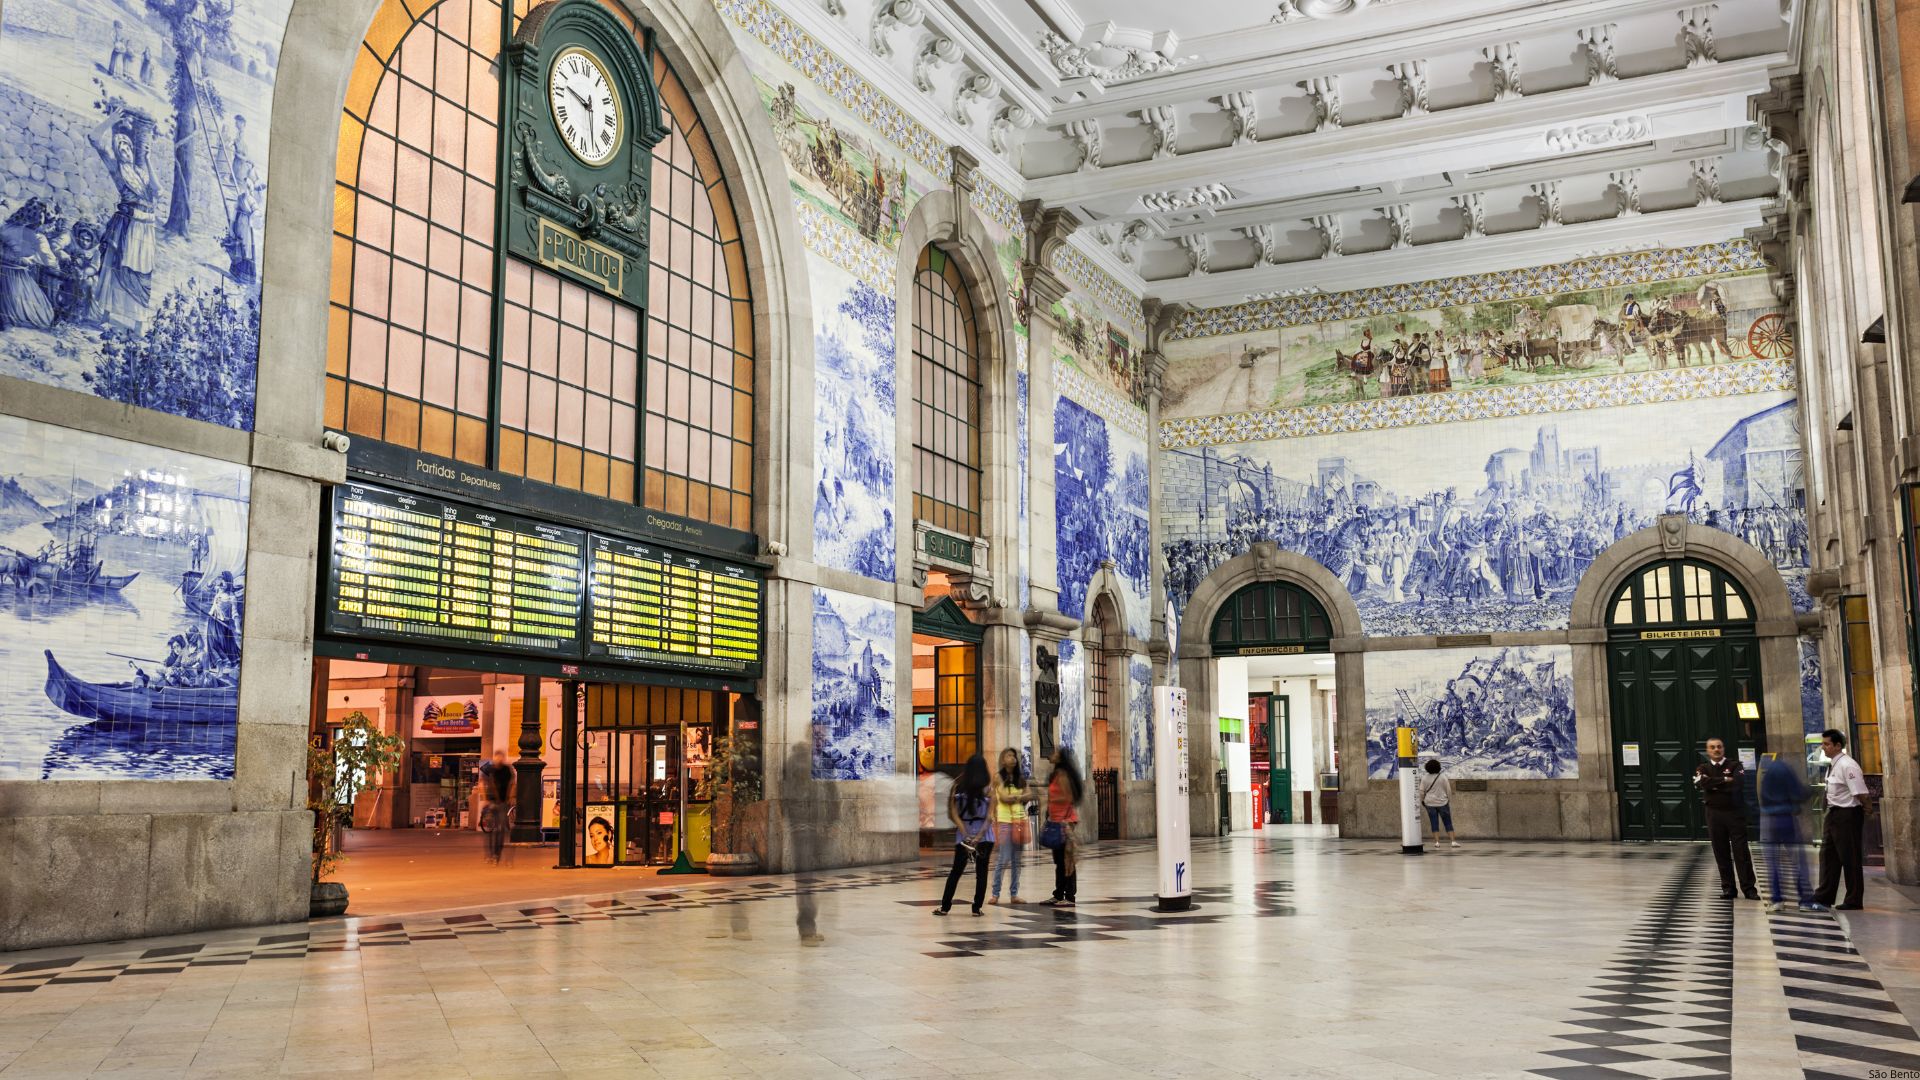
<point x="1487" y="254"/>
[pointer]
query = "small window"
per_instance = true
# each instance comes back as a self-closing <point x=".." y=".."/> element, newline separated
<point x="1680" y="591"/>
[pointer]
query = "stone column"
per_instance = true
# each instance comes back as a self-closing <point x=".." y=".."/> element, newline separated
<point x="528" y="793"/>
<point x="1047" y="231"/>
<point x="1155" y="364"/>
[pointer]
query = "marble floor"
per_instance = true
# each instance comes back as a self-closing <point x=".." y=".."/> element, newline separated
<point x="1305" y="956"/>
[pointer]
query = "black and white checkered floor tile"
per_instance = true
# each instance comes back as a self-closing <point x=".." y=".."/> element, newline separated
<point x="1844" y="1023"/>
<point x="1664" y="1008"/>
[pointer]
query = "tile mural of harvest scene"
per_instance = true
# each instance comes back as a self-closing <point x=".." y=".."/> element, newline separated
<point x="1090" y="343"/>
<point x="132" y="196"/>
<point x="853" y="686"/>
<point x="1488" y="526"/>
<point x="854" y="425"/>
<point x="839" y="166"/>
<point x="122" y="593"/>
<point x="1579" y="333"/>
<point x="1487" y="714"/>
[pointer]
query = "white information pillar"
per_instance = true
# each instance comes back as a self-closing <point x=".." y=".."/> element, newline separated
<point x="1409" y="794"/>
<point x="1170" y="795"/>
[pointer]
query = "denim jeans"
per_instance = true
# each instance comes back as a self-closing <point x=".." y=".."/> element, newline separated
<point x="1006" y="854"/>
<point x="1781" y="835"/>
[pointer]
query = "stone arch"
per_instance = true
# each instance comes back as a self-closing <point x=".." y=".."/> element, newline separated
<point x="1266" y="561"/>
<point x="947" y="219"/>
<point x="1775" y="626"/>
<point x="322" y="42"/>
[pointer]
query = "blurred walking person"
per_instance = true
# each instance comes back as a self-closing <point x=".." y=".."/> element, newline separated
<point x="970" y="809"/>
<point x="1011" y="829"/>
<point x="1782" y="794"/>
<point x="496" y="787"/>
<point x="1064" y="788"/>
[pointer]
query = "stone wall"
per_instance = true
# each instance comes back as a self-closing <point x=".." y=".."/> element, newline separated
<point x="46" y="147"/>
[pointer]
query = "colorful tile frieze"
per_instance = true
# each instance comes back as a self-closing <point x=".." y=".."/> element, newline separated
<point x="1638" y="267"/>
<point x="833" y="241"/>
<point x="1118" y="300"/>
<point x="1103" y="399"/>
<point x="839" y="81"/>
<point x="1633" y="388"/>
<point x="996" y="203"/>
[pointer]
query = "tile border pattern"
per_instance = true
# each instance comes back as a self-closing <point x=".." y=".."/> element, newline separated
<point x="1071" y="382"/>
<point x="823" y="68"/>
<point x="1633" y="268"/>
<point x="1571" y="395"/>
<point x="995" y="203"/>
<point x="844" y="247"/>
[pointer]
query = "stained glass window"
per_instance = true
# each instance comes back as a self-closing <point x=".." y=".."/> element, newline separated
<point x="655" y="407"/>
<point x="946" y="398"/>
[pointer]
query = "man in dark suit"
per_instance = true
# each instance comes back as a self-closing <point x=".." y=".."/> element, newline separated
<point x="1718" y="779"/>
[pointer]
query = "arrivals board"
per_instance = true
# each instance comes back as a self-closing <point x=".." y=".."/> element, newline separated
<point x="650" y="605"/>
<point x="421" y="569"/>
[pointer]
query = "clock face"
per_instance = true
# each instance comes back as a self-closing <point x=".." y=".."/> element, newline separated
<point x="586" y="107"/>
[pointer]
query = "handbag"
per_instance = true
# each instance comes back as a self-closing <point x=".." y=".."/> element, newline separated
<point x="1053" y="836"/>
<point x="1020" y="831"/>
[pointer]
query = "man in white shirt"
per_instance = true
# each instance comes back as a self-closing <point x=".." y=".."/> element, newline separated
<point x="1842" y="847"/>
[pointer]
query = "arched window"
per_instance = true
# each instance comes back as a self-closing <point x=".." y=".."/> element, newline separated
<point x="946" y="398"/>
<point x="438" y="343"/>
<point x="1270" y="615"/>
<point x="1679" y="591"/>
<point x="1101" y="654"/>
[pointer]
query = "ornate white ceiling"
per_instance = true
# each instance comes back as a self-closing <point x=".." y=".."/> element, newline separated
<point x="1216" y="149"/>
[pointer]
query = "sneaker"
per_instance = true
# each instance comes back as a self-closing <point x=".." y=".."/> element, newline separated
<point x="993" y="900"/>
<point x="1456" y="843"/>
<point x="1775" y="907"/>
<point x="1814" y="905"/>
<point x="1016" y="900"/>
<point x="813" y="939"/>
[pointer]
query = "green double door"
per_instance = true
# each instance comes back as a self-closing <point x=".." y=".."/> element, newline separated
<point x="1668" y="695"/>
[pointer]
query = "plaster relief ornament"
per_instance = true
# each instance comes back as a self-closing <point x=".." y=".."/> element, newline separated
<point x="1547" y="195"/>
<point x="1283" y="294"/>
<point x="1625" y="185"/>
<point x="1239" y="107"/>
<point x="1399" y="224"/>
<point x="1324" y="95"/>
<point x="1204" y="197"/>
<point x="1474" y="213"/>
<point x="1086" y="135"/>
<point x="1779" y="166"/>
<point x="1621" y="129"/>
<point x="1131" y="235"/>
<point x="973" y="88"/>
<point x="1166" y="129"/>
<point x="939" y="49"/>
<point x="1199" y="249"/>
<point x="1263" y="240"/>
<point x="889" y="14"/>
<point x="1298" y="10"/>
<point x="1107" y="64"/>
<point x="1696" y="34"/>
<point x="1411" y="75"/>
<point x="1504" y="60"/>
<point x="1328" y="226"/>
<point x="1597" y="41"/>
<point x="1706" y="181"/>
<point x="1015" y="117"/>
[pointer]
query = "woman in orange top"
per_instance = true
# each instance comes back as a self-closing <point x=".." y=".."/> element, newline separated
<point x="1063" y="802"/>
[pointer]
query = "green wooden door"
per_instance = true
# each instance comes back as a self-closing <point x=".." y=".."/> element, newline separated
<point x="1667" y="699"/>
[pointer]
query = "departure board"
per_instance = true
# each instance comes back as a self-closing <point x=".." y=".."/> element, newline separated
<point x="410" y="567"/>
<point x="650" y="605"/>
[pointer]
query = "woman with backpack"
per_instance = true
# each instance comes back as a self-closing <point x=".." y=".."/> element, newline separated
<point x="1063" y="813"/>
<point x="969" y="808"/>
<point x="1436" y="794"/>
<point x="1011" y="830"/>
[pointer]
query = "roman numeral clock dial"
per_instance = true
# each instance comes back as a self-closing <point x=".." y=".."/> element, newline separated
<point x="586" y="108"/>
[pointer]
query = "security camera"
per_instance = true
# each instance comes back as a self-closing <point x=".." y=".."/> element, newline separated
<point x="336" y="442"/>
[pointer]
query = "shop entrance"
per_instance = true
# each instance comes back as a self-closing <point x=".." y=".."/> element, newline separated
<point x="946" y="704"/>
<point x="1683" y="666"/>
<point x="644" y="753"/>
<point x="1276" y="684"/>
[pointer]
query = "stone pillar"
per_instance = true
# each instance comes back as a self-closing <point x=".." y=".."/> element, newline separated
<point x="1047" y="230"/>
<point x="1155" y="364"/>
<point x="1198" y="676"/>
<point x="528" y="793"/>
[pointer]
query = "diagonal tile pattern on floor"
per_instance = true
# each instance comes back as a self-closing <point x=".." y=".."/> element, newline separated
<point x="1302" y="958"/>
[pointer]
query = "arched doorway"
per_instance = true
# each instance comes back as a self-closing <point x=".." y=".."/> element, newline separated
<point x="1683" y="666"/>
<point x="1278" y="741"/>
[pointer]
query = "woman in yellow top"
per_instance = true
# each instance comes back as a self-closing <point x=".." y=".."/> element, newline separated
<point x="1010" y="826"/>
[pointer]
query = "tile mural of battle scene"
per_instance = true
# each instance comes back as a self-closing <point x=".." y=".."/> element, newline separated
<point x="853" y="686"/>
<point x="839" y="167"/>
<point x="1090" y="343"/>
<point x="1487" y="526"/>
<point x="1606" y="330"/>
<point x="1100" y="495"/>
<point x="1139" y="719"/>
<point x="1487" y="714"/>
<point x="122" y="591"/>
<point x="854" y="425"/>
<point x="132" y="196"/>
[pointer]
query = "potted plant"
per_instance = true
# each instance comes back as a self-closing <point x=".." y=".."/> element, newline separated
<point x="337" y="771"/>
<point x="732" y="778"/>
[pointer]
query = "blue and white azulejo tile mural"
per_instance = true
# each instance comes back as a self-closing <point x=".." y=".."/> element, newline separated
<point x="1488" y="526"/>
<point x="1139" y="719"/>
<point x="853" y="686"/>
<point x="132" y="193"/>
<point x="122" y="592"/>
<point x="1073" y="699"/>
<point x="1503" y="714"/>
<point x="1100" y="507"/>
<point x="855" y="417"/>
